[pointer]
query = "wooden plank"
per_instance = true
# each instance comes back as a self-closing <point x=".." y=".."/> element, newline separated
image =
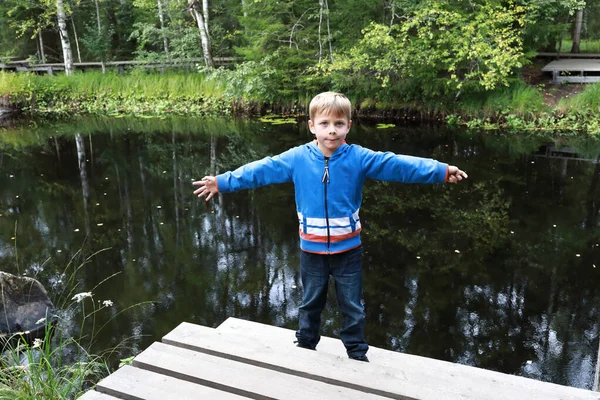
<point x="236" y="377"/>
<point x="131" y="383"/>
<point x="572" y="65"/>
<point x="328" y="368"/>
<point x="420" y="368"/>
<point x="93" y="395"/>
<point x="567" y="55"/>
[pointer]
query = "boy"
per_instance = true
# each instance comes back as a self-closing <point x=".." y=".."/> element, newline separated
<point x="328" y="176"/>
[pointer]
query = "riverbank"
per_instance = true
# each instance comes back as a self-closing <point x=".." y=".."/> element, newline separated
<point x="529" y="103"/>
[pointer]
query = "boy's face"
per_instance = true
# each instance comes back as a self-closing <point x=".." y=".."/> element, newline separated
<point x="330" y="130"/>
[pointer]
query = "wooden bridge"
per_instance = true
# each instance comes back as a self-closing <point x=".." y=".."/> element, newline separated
<point x="242" y="359"/>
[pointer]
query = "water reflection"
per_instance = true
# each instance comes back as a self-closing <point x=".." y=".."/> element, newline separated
<point x="498" y="272"/>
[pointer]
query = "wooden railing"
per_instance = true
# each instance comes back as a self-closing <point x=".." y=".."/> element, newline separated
<point x="50" y="68"/>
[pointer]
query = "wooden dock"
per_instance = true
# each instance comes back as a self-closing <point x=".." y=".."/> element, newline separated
<point x="574" y="70"/>
<point x="242" y="359"/>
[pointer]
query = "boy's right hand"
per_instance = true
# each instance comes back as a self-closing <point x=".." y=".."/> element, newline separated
<point x="208" y="186"/>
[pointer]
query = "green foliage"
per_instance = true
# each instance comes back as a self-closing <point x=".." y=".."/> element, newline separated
<point x="249" y="80"/>
<point x="443" y="50"/>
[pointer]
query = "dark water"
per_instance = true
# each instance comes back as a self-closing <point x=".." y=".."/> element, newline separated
<point x="498" y="272"/>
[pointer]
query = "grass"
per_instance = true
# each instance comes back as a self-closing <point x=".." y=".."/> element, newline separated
<point x="588" y="100"/>
<point x="136" y="84"/>
<point x="519" y="99"/>
<point x="44" y="370"/>
<point x="60" y="365"/>
<point x="585" y="46"/>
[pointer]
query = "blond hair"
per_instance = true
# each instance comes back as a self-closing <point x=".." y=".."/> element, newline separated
<point x="331" y="103"/>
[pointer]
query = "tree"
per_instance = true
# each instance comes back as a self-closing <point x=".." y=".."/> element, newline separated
<point x="61" y="15"/>
<point x="161" y="18"/>
<point x="200" y="14"/>
<point x="99" y="23"/>
<point x="577" y="31"/>
<point x="443" y="50"/>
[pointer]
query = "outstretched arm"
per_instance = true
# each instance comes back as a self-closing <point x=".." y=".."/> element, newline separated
<point x="208" y="187"/>
<point x="455" y="175"/>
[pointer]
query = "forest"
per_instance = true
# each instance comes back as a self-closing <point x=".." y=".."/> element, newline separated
<point x="387" y="50"/>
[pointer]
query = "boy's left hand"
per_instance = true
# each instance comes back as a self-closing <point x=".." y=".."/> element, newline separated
<point x="456" y="175"/>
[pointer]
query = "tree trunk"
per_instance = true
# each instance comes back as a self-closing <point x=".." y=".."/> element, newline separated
<point x="244" y="8"/>
<point x="42" y="54"/>
<point x="321" y="6"/>
<point x="329" y="32"/>
<point x="76" y="40"/>
<point x="161" y="18"/>
<point x="100" y="33"/>
<point x="577" y="31"/>
<point x="205" y="15"/>
<point x="206" y="47"/>
<point x="64" y="37"/>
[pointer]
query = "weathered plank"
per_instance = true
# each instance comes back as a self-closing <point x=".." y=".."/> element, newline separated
<point x="567" y="55"/>
<point x="328" y="368"/>
<point x="93" y="395"/>
<point x="236" y="377"/>
<point x="131" y="383"/>
<point x="498" y="385"/>
<point x="572" y="65"/>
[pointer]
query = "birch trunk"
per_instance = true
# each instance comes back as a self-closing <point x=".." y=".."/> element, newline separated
<point x="205" y="15"/>
<point x="100" y="33"/>
<point x="206" y="47"/>
<point x="76" y="40"/>
<point x="161" y="17"/>
<point x="64" y="37"/>
<point x="577" y="31"/>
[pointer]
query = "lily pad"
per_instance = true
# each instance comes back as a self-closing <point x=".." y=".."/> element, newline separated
<point x="278" y="120"/>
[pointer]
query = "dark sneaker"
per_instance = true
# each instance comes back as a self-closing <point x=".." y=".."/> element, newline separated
<point x="304" y="345"/>
<point x="360" y="358"/>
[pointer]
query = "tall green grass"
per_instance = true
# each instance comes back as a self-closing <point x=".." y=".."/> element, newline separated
<point x="518" y="99"/>
<point x="26" y="87"/>
<point x="44" y="370"/>
<point x="60" y="365"/>
<point x="586" y="101"/>
<point x="172" y="85"/>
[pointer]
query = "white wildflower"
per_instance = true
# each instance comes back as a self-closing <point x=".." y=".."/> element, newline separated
<point x="80" y="296"/>
<point x="107" y="303"/>
<point x="37" y="342"/>
<point x="40" y="321"/>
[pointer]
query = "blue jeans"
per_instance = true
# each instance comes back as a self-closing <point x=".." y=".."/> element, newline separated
<point x="346" y="269"/>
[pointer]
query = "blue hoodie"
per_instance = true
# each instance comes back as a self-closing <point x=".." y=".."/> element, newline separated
<point x="329" y="189"/>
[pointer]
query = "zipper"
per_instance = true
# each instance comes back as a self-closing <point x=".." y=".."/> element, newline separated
<point x="325" y="181"/>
